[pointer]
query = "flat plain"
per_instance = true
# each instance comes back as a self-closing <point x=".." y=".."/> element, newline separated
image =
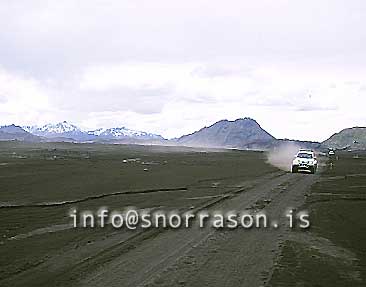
<point x="41" y="183"/>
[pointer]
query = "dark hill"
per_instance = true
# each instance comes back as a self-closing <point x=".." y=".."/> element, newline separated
<point x="241" y="133"/>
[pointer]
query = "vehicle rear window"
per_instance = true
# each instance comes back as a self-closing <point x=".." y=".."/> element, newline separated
<point x="304" y="155"/>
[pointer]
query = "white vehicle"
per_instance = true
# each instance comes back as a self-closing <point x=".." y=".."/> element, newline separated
<point x="305" y="160"/>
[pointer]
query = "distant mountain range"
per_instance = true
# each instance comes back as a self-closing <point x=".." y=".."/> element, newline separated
<point x="13" y="132"/>
<point x="66" y="132"/>
<point x="72" y="132"/>
<point x="243" y="133"/>
<point x="59" y="130"/>
<point x="120" y="133"/>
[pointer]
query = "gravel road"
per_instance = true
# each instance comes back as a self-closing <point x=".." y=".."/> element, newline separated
<point x="204" y="257"/>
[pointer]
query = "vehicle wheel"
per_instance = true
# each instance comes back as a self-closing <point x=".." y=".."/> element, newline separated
<point x="294" y="169"/>
<point x="312" y="170"/>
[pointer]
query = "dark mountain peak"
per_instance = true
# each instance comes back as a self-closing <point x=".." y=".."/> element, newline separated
<point x="238" y="122"/>
<point x="13" y="132"/>
<point x="12" y="129"/>
<point x="246" y="121"/>
<point x="240" y="133"/>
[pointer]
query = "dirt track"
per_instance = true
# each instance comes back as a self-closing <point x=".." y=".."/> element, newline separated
<point x="196" y="257"/>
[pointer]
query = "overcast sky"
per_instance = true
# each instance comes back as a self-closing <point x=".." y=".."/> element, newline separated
<point x="172" y="67"/>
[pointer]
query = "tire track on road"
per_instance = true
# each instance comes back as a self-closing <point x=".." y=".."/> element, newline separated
<point x="150" y="257"/>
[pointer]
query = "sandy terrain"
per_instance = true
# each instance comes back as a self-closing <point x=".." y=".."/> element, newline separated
<point x="40" y="248"/>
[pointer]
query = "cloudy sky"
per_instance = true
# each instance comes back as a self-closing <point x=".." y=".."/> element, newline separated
<point x="172" y="67"/>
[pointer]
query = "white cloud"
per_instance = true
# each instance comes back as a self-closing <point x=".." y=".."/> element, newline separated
<point x="171" y="68"/>
<point x="22" y="98"/>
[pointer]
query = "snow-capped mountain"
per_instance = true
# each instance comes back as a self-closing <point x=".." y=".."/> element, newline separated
<point x="62" y="129"/>
<point x="67" y="130"/>
<point x="97" y="132"/>
<point x="121" y="133"/>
